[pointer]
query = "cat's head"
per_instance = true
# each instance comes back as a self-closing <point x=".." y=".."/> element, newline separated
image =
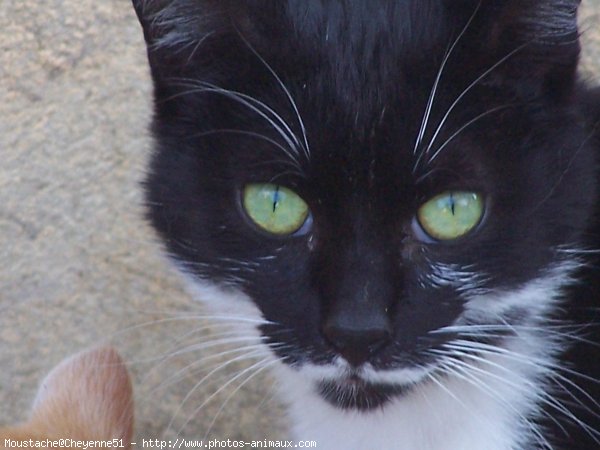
<point x="87" y="397"/>
<point x="381" y="183"/>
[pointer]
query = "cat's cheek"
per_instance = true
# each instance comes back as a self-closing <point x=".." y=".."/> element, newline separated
<point x="225" y="304"/>
<point x="537" y="298"/>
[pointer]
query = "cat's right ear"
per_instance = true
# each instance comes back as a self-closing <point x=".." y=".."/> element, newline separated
<point x="178" y="31"/>
<point x="186" y="38"/>
<point x="140" y="7"/>
<point x="162" y="19"/>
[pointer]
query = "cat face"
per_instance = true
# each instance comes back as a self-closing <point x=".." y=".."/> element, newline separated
<point x="381" y="197"/>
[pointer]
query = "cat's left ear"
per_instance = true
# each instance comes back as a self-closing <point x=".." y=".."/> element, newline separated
<point x="543" y="38"/>
<point x="88" y="396"/>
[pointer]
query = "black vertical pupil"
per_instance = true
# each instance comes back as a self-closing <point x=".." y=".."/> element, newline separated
<point x="275" y="198"/>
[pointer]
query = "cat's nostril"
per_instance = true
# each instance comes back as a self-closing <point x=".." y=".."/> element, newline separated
<point x="357" y="346"/>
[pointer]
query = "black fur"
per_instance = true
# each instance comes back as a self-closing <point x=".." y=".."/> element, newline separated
<point x="361" y="73"/>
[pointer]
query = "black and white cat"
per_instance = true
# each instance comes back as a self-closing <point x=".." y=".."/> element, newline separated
<point x="399" y="198"/>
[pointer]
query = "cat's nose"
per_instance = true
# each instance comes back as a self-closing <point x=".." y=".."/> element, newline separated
<point x="355" y="343"/>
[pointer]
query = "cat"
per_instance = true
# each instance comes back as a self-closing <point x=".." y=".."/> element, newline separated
<point x="399" y="200"/>
<point x="87" y="397"/>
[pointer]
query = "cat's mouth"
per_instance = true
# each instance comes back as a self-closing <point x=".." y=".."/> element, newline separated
<point x="353" y="392"/>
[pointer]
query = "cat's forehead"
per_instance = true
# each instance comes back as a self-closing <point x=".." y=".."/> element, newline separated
<point x="361" y="73"/>
<point x="364" y="29"/>
<point x="360" y="53"/>
<point x="363" y="42"/>
<point x="395" y="82"/>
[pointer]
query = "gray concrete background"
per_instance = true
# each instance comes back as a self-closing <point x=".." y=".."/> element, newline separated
<point x="78" y="265"/>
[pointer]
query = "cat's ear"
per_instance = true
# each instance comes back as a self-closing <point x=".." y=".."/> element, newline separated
<point x="87" y="396"/>
<point x="549" y="21"/>
<point x="169" y="23"/>
<point x="542" y="38"/>
<point x="186" y="36"/>
<point x="171" y="26"/>
<point x="178" y="34"/>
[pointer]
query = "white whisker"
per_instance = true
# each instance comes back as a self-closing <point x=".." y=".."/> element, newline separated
<point x="235" y="391"/>
<point x="181" y="373"/>
<point x="469" y="376"/>
<point x="250" y="102"/>
<point x="465" y="126"/>
<point x="244" y="357"/>
<point x="285" y="90"/>
<point x="462" y="349"/>
<point x="425" y="120"/>
<point x="250" y="134"/>
<point x="219" y="390"/>
<point x="467" y="90"/>
<point x="572" y="159"/>
<point x="447" y="370"/>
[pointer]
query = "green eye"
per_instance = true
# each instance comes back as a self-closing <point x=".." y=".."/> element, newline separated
<point x="275" y="209"/>
<point x="451" y="215"/>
